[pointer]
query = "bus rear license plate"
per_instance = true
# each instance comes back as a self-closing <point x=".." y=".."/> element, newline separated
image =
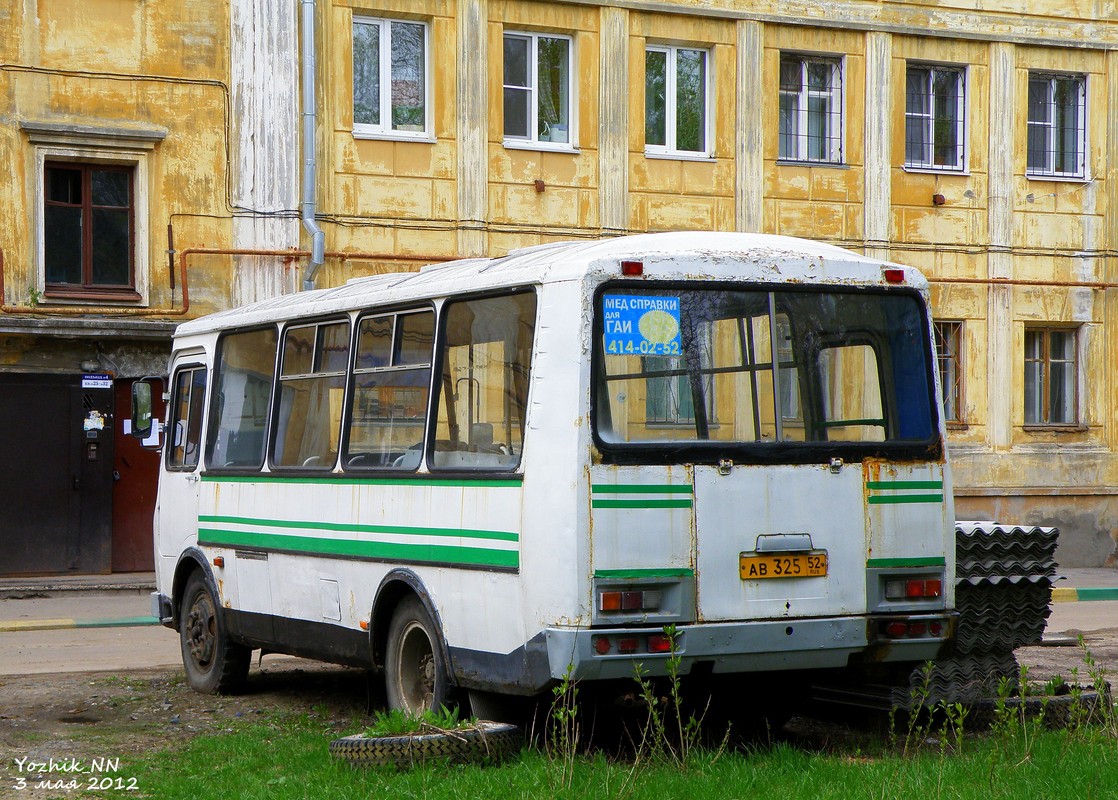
<point x="782" y="565"/>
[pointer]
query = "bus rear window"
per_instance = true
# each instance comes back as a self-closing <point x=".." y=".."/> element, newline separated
<point x="677" y="365"/>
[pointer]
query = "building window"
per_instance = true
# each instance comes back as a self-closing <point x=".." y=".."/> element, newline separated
<point x="949" y="358"/>
<point x="537" y="89"/>
<point x="811" y="109"/>
<point x="1057" y="125"/>
<point x="88" y="230"/>
<point x="934" y="117"/>
<point x="1050" y="376"/>
<point x="390" y="86"/>
<point x="676" y="101"/>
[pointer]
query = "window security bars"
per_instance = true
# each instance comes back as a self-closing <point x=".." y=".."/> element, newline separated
<point x="810" y="109"/>
<point x="935" y="114"/>
<point x="949" y="359"/>
<point x="1057" y="126"/>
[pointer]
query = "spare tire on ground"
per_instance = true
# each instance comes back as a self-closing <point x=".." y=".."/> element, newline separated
<point x="480" y="743"/>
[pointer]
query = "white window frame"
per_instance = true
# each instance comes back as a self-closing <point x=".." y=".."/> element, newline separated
<point x="1049" y="171"/>
<point x="532" y="141"/>
<point x="928" y="120"/>
<point x="385" y="130"/>
<point x="115" y="147"/>
<point x="669" y="149"/>
<point x="836" y="139"/>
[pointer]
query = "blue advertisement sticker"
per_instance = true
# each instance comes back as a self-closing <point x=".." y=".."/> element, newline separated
<point x="646" y="325"/>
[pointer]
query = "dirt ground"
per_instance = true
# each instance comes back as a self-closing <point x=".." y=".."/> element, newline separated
<point x="91" y="715"/>
<point x="75" y="718"/>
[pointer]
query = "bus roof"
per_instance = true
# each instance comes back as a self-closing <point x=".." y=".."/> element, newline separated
<point x="674" y="256"/>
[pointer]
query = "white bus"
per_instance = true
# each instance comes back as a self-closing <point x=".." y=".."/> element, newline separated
<point x="494" y="472"/>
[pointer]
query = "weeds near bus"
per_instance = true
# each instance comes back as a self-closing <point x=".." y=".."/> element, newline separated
<point x="669" y="733"/>
<point x="918" y="719"/>
<point x="396" y="722"/>
<point x="563" y="726"/>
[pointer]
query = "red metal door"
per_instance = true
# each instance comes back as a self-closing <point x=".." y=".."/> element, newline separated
<point x="136" y="473"/>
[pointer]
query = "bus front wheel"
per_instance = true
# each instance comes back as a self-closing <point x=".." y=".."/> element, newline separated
<point x="213" y="664"/>
<point x="415" y="675"/>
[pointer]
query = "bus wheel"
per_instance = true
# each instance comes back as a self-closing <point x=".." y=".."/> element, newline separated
<point x="415" y="675"/>
<point x="213" y="663"/>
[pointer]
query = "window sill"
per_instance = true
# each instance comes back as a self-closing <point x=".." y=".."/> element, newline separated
<point x="1037" y="176"/>
<point x="548" y="147"/>
<point x="918" y="170"/>
<point x="679" y="155"/>
<point x="787" y="162"/>
<point x="90" y="297"/>
<point x="1069" y="428"/>
<point x="957" y="426"/>
<point x="393" y="136"/>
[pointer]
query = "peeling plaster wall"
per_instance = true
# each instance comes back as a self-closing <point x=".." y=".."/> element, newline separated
<point x="264" y="57"/>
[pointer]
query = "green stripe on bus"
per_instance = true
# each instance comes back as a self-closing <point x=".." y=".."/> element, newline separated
<point x="891" y="499"/>
<point x="681" y="572"/>
<point x="389" y="551"/>
<point x="641" y="488"/>
<point x="640" y="503"/>
<point x="483" y="483"/>
<point x="343" y="527"/>
<point x="904" y="484"/>
<point x="930" y="561"/>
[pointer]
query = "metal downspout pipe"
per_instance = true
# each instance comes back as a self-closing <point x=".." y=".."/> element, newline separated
<point x="318" y="238"/>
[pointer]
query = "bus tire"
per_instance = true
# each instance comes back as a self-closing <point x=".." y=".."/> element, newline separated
<point x="213" y="664"/>
<point x="415" y="674"/>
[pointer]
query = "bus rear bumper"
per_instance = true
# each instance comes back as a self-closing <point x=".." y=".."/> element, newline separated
<point x="731" y="647"/>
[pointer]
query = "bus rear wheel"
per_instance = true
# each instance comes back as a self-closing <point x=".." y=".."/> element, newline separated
<point x="213" y="664"/>
<point x="415" y="674"/>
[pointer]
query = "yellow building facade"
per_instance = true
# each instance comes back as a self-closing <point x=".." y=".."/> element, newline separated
<point x="977" y="142"/>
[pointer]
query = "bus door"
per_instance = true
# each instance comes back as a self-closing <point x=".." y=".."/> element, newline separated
<point x="176" y="512"/>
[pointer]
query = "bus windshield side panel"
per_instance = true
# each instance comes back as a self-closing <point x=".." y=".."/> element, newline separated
<point x="242" y="393"/>
<point x="483" y="389"/>
<point x="685" y="365"/>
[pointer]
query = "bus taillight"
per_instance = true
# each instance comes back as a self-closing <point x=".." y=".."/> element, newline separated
<point x="629" y="600"/>
<point x="913" y="588"/>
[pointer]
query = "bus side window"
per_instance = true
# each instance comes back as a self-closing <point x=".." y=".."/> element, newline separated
<point x="242" y="388"/>
<point x="185" y="432"/>
<point x="312" y="387"/>
<point x="483" y="391"/>
<point x="392" y="379"/>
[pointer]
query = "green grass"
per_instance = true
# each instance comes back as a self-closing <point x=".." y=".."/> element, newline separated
<point x="287" y="758"/>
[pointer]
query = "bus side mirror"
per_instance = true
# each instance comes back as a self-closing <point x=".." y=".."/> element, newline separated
<point x="143" y="420"/>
